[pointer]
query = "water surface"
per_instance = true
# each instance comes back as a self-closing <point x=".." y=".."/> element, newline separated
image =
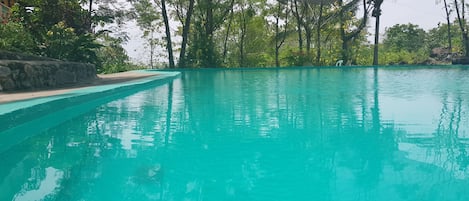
<point x="290" y="134"/>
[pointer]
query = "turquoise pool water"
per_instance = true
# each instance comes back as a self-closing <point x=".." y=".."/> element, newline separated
<point x="292" y="134"/>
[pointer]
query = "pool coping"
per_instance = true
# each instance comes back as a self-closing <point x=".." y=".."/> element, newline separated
<point x="17" y="112"/>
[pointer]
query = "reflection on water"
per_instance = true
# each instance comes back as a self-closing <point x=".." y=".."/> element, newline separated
<point x="39" y="191"/>
<point x="302" y="134"/>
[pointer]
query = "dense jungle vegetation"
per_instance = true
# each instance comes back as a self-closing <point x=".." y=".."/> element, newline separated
<point x="229" y="33"/>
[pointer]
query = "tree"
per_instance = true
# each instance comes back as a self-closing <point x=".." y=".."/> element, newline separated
<point x="322" y="19"/>
<point x="227" y="31"/>
<point x="439" y="37"/>
<point x="39" y="16"/>
<point x="347" y="12"/>
<point x="313" y="15"/>
<point x="112" y="55"/>
<point x="281" y="12"/>
<point x="299" y="22"/>
<point x="184" y="11"/>
<point x="408" y="37"/>
<point x="308" y="11"/>
<point x="209" y="15"/>
<point x="404" y="44"/>
<point x="448" y="12"/>
<point x="59" y="29"/>
<point x="16" y="38"/>
<point x="147" y="19"/>
<point x="460" y="11"/>
<point x="246" y="13"/>
<point x="61" y="42"/>
<point x="169" y="46"/>
<point x="376" y="13"/>
<point x="245" y="38"/>
<point x="102" y="12"/>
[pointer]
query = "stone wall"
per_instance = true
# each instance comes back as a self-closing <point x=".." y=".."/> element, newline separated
<point x="28" y="75"/>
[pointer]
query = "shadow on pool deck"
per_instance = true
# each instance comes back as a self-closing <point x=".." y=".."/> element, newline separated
<point x="104" y="79"/>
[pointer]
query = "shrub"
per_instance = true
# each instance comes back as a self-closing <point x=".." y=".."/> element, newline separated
<point x="14" y="37"/>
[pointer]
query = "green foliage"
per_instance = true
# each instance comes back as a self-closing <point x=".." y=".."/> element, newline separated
<point x="209" y="16"/>
<point x="295" y="58"/>
<point x="256" y="42"/>
<point x="364" y="55"/>
<point x="409" y="44"/>
<point x="331" y="52"/>
<point x="147" y="15"/>
<point x="202" y="51"/>
<point x="48" y="13"/>
<point x="16" y="38"/>
<point x="112" y="56"/>
<point x="61" y="42"/>
<point x="116" y="68"/>
<point x="61" y="29"/>
<point x="438" y="37"/>
<point x="233" y="33"/>
<point x="54" y="28"/>
<point x="402" y="57"/>
<point x="260" y="59"/>
<point x="405" y="37"/>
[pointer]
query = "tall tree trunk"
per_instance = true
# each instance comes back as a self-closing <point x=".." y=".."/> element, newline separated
<point x="279" y="38"/>
<point x="185" y="34"/>
<point x="227" y="33"/>
<point x="169" y="45"/>
<point x="450" y="45"/>
<point x="308" y="28"/>
<point x="344" y="54"/>
<point x="376" y="13"/>
<point x="318" y="34"/>
<point x="90" y="15"/>
<point x="347" y="37"/>
<point x="462" y="26"/>
<point x="277" y="33"/>
<point x="242" y="37"/>
<point x="298" y="26"/>
<point x="212" y="15"/>
<point x="376" y="48"/>
<point x="208" y="51"/>
<point x="308" y="35"/>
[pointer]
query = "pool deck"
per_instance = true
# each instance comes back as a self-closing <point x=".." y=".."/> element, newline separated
<point x="105" y="79"/>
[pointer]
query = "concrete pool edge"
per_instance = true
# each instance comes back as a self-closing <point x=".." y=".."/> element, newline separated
<point x="18" y="112"/>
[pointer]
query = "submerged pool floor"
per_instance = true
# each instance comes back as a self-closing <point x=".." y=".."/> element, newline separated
<point x="264" y="134"/>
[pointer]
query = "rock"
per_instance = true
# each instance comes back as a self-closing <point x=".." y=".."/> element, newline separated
<point x="7" y="84"/>
<point x="65" y="77"/>
<point x="29" y="69"/>
<point x="440" y="52"/>
<point x="4" y="71"/>
<point x="461" y="60"/>
<point x="430" y="61"/>
<point x="26" y="75"/>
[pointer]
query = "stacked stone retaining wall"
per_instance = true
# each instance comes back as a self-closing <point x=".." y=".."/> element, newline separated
<point x="30" y="75"/>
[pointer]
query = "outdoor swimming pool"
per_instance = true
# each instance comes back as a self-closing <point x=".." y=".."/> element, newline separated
<point x="263" y="134"/>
